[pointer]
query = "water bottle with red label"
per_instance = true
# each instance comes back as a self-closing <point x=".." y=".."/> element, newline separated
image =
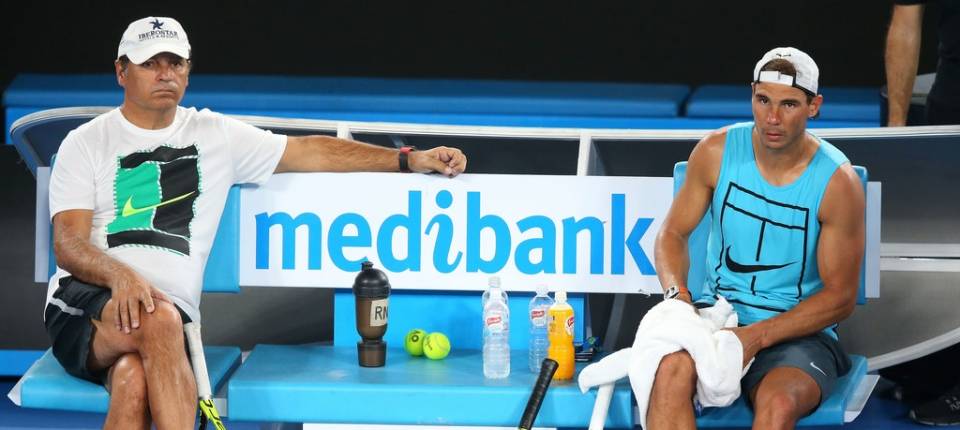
<point x="539" y="305"/>
<point x="496" y="332"/>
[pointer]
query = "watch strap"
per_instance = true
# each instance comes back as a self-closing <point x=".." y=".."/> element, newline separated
<point x="674" y="291"/>
<point x="404" y="158"/>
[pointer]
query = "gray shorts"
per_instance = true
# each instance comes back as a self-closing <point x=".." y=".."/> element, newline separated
<point x="818" y="355"/>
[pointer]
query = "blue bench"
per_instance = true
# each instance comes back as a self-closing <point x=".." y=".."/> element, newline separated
<point x="842" y="107"/>
<point x="833" y="408"/>
<point x="436" y="101"/>
<point x="286" y="383"/>
<point x="47" y="386"/>
<point x="309" y="383"/>
<point x="325" y="384"/>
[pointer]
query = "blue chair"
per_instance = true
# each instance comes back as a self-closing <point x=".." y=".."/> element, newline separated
<point x="832" y="410"/>
<point x="46" y="385"/>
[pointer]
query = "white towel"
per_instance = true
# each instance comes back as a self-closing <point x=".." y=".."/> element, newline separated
<point x="668" y="327"/>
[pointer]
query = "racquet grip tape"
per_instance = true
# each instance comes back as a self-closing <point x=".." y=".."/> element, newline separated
<point x="192" y="332"/>
<point x="547" y="369"/>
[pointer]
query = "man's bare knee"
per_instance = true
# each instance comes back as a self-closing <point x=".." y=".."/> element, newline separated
<point x="676" y="378"/>
<point x="677" y="366"/>
<point x="163" y="322"/>
<point x="778" y="407"/>
<point x="165" y="319"/>
<point x="673" y="388"/>
<point x="784" y="396"/>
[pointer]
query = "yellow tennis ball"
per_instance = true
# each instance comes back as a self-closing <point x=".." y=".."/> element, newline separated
<point x="436" y="346"/>
<point x="413" y="343"/>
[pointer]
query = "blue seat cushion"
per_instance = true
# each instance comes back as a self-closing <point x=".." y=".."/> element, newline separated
<point x="324" y="384"/>
<point x="830" y="412"/>
<point x="47" y="386"/>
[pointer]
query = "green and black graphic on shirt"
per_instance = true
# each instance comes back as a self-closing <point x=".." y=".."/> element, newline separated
<point x="154" y="194"/>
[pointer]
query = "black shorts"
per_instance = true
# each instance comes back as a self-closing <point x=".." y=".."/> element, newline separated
<point x="818" y="355"/>
<point x="67" y="320"/>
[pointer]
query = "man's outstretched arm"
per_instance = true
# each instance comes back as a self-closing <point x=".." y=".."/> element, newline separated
<point x="331" y="154"/>
<point x="839" y="256"/>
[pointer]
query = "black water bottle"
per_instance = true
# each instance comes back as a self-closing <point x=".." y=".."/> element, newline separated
<point x="371" y="291"/>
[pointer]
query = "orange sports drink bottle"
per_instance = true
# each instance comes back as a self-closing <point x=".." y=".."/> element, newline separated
<point x="560" y="332"/>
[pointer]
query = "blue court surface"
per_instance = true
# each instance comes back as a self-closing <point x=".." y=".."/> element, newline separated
<point x="881" y="413"/>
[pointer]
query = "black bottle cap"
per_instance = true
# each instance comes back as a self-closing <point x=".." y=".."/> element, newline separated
<point x="371" y="283"/>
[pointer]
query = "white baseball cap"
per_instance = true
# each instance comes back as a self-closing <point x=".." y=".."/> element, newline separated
<point x="807" y="72"/>
<point x="150" y="36"/>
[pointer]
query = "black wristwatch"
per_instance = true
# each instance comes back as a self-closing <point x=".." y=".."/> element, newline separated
<point x="404" y="162"/>
<point x="674" y="291"/>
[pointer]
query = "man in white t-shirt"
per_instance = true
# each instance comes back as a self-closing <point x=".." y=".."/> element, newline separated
<point x="136" y="196"/>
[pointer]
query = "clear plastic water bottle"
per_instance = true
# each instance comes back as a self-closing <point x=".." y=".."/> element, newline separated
<point x="486" y="293"/>
<point x="496" y="332"/>
<point x="539" y="305"/>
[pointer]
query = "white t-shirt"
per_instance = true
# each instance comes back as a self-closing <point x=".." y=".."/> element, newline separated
<point x="157" y="195"/>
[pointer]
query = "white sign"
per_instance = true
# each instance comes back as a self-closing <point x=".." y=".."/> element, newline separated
<point x="378" y="312"/>
<point x="581" y="233"/>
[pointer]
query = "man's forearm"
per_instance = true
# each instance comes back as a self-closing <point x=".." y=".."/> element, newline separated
<point x="331" y="154"/>
<point x="86" y="262"/>
<point x="672" y="259"/>
<point x="901" y="59"/>
<point x="810" y="316"/>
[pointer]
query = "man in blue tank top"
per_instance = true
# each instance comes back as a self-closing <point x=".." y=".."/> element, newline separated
<point x="785" y="247"/>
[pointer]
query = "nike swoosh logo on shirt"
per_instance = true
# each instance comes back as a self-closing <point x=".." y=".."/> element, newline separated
<point x="818" y="369"/>
<point x="750" y="268"/>
<point x="129" y="210"/>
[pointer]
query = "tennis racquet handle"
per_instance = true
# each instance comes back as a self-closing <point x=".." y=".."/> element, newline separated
<point x="547" y="369"/>
<point x="192" y="331"/>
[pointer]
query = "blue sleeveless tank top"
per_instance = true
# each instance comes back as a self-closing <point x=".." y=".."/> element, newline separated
<point x="762" y="248"/>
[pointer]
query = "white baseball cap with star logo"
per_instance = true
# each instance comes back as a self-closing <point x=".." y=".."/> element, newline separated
<point x="150" y="36"/>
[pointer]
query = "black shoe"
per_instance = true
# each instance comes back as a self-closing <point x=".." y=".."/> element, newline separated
<point x="944" y="411"/>
<point x="915" y="396"/>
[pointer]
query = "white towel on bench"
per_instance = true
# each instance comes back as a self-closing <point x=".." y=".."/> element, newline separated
<point x="669" y="327"/>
